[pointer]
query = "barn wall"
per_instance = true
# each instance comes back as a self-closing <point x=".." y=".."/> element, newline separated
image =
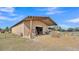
<point x="40" y="24"/>
<point x="23" y="28"/>
<point x="34" y="25"/>
<point x="18" y="29"/>
<point x="26" y="28"/>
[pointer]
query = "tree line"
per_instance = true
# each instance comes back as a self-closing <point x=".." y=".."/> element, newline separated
<point x="58" y="28"/>
<point x="70" y="29"/>
<point x="6" y="29"/>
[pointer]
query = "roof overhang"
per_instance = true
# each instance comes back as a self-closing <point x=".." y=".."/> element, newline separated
<point x="47" y="20"/>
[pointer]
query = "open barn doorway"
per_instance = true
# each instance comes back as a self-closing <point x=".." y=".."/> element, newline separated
<point x="39" y="30"/>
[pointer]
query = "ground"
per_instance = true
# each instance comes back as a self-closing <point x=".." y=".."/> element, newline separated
<point x="62" y="42"/>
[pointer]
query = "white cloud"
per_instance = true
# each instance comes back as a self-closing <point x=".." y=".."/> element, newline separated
<point x="54" y="10"/>
<point x="3" y="17"/>
<point x="64" y="26"/>
<point x="75" y="20"/>
<point x="0" y="13"/>
<point x="18" y="18"/>
<point x="10" y="19"/>
<point x="12" y="14"/>
<point x="9" y="10"/>
<point x="51" y="10"/>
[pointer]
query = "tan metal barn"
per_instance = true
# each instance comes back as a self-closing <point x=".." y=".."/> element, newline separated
<point x="32" y="25"/>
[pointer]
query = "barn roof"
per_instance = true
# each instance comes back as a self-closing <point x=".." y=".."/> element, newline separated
<point x="44" y="19"/>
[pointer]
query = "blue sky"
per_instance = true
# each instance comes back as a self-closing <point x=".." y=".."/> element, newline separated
<point x="63" y="16"/>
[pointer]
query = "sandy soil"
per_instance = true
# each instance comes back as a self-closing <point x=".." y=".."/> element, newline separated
<point x="62" y="42"/>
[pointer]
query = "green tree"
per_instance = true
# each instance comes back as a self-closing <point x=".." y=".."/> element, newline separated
<point x="7" y="29"/>
<point x="70" y="29"/>
<point x="76" y="29"/>
<point x="0" y="28"/>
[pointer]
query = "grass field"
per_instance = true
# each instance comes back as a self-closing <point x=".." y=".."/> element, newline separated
<point x="64" y="42"/>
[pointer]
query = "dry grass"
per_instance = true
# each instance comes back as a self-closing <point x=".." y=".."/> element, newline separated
<point x="65" y="41"/>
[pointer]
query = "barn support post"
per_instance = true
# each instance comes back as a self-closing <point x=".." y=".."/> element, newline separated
<point x="30" y="29"/>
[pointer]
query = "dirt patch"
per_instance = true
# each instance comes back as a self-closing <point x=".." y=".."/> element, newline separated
<point x="41" y="43"/>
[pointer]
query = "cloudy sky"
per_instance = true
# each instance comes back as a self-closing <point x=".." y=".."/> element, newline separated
<point x="63" y="16"/>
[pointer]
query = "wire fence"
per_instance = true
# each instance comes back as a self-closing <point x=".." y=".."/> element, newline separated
<point x="8" y="35"/>
<point x="70" y="33"/>
<point x="54" y="34"/>
<point x="58" y="34"/>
